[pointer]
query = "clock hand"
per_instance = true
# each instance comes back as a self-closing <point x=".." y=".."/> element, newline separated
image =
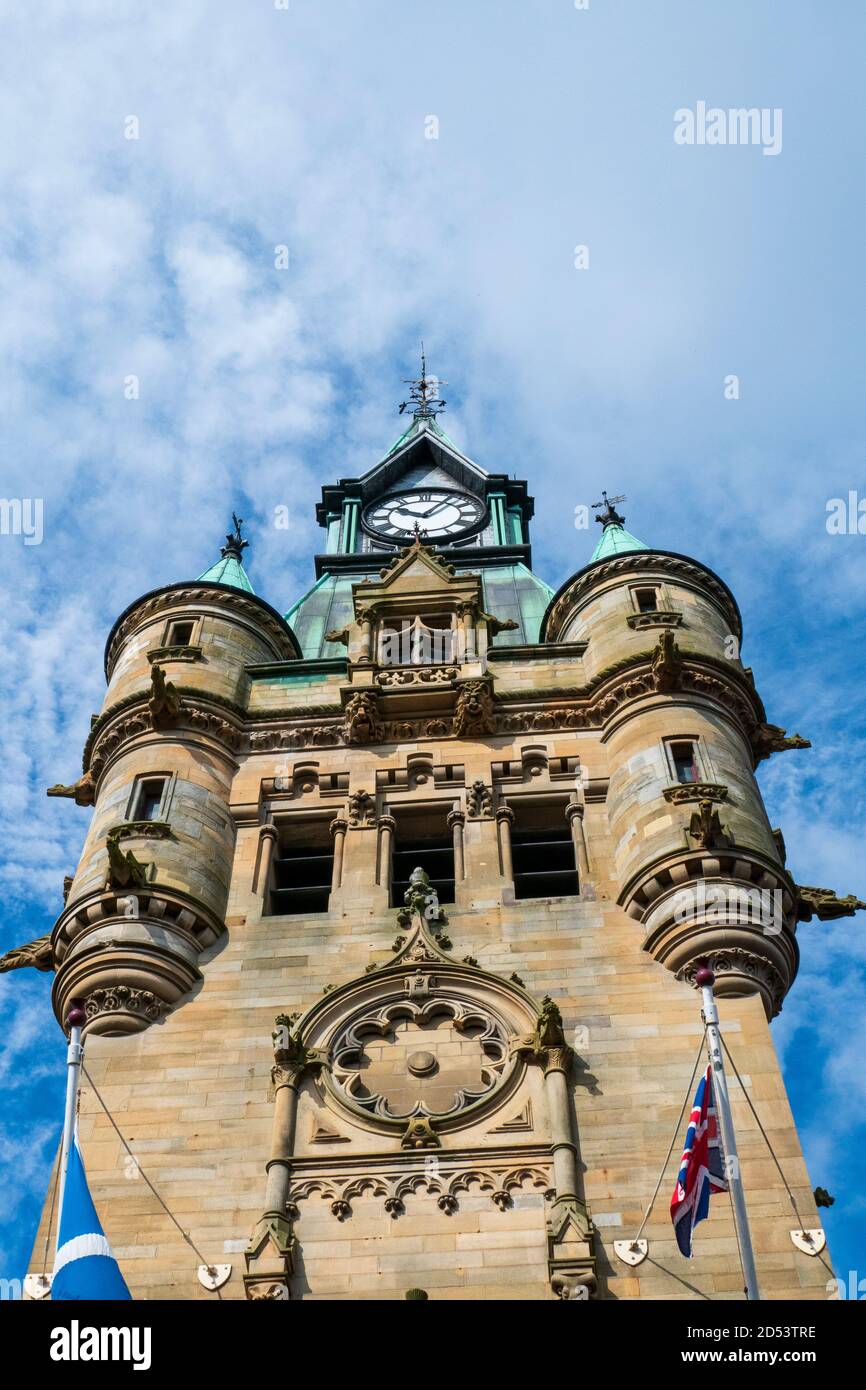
<point x="438" y="508"/>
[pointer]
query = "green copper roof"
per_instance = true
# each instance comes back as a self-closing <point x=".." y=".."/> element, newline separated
<point x="229" y="571"/>
<point x="616" y="540"/>
<point x="424" y="424"/>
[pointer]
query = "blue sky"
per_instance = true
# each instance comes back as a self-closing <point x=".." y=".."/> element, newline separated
<point x="306" y="127"/>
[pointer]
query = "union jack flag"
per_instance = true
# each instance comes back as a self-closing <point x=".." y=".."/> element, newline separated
<point x="701" y="1167"/>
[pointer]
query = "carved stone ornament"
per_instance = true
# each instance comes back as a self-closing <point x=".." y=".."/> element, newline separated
<point x="422" y="1038"/>
<point x="124" y="870"/>
<point x="165" y="702"/>
<point x="771" y="738"/>
<point x="83" y="791"/>
<point x="479" y="801"/>
<point x="705" y="828"/>
<point x="474" y="714"/>
<point x="122" y="999"/>
<point x="666" y="665"/>
<point x="662" y="617"/>
<point x="38" y="954"/>
<point x="825" y="904"/>
<point x="362" y="810"/>
<point x="363" y="724"/>
<point x="683" y="792"/>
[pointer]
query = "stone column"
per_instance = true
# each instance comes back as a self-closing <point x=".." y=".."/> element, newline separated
<point x="574" y="812"/>
<point x="504" y="821"/>
<point x="387" y="827"/>
<point x="338" y="829"/>
<point x="570" y="1258"/>
<point x="466" y="633"/>
<point x="365" y="618"/>
<point x="269" y="1256"/>
<point x="456" y="820"/>
<point x="286" y="1081"/>
<point x="267" y="843"/>
<point x="557" y="1065"/>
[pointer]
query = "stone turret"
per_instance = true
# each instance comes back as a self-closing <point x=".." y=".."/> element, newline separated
<point x="151" y="887"/>
<point x="694" y="857"/>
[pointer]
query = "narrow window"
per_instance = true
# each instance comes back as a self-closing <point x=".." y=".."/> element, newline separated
<point x="149" y="798"/>
<point x="302" y="870"/>
<point x="180" y="633"/>
<point x="646" y="600"/>
<point x="685" y="760"/>
<point x="542" y="852"/>
<point x="423" y="842"/>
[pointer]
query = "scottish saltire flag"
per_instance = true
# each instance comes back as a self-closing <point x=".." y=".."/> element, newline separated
<point x="84" y="1266"/>
<point x="701" y="1168"/>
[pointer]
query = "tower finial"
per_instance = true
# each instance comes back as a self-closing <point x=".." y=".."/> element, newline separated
<point x="235" y="544"/>
<point x="609" y="516"/>
<point x="424" y="393"/>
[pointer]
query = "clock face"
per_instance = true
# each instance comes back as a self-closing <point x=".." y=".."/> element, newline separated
<point x="438" y="513"/>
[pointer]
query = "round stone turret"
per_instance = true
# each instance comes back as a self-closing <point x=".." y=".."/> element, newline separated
<point x="695" y="860"/>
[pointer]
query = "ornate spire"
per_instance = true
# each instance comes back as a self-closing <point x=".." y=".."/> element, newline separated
<point x="424" y="393"/>
<point x="609" y="516"/>
<point x="235" y="544"/>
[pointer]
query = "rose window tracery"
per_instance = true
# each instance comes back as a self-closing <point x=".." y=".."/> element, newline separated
<point x="408" y="1059"/>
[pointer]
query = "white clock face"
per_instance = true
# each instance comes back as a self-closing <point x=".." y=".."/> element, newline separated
<point x="438" y="514"/>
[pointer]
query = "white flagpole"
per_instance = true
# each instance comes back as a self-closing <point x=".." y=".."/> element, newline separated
<point x="74" y="1053"/>
<point x="705" y="978"/>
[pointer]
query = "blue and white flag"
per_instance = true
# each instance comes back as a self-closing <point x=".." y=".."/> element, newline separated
<point x="84" y="1267"/>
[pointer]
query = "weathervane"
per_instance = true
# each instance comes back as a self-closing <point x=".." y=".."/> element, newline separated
<point x="423" y="395"/>
<point x="609" y="516"/>
<point x="235" y="544"/>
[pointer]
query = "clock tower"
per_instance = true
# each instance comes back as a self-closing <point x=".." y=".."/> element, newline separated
<point x="388" y="917"/>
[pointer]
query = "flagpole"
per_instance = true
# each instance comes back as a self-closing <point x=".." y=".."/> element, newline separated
<point x="705" y="978"/>
<point x="74" y="1052"/>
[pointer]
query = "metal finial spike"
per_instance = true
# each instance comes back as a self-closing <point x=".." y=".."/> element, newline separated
<point x="609" y="516"/>
<point x="423" y="397"/>
<point x="235" y="544"/>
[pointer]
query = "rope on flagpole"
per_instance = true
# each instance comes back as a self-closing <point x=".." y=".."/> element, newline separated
<point x="766" y="1139"/>
<point x="187" y="1237"/>
<point x="51" y="1216"/>
<point x="689" y="1093"/>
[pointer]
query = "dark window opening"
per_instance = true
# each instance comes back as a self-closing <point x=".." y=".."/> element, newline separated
<point x="542" y="852"/>
<point x="148" y="802"/>
<point x="685" y="762"/>
<point x="180" y="634"/>
<point x="426" y="845"/>
<point x="647" y="600"/>
<point x="303" y="868"/>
